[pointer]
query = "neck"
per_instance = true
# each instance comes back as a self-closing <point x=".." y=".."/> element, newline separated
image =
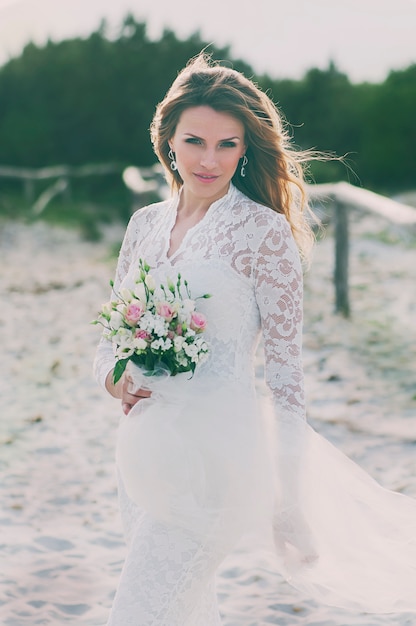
<point x="189" y="204"/>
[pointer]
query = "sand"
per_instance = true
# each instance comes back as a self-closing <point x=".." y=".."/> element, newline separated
<point x="61" y="544"/>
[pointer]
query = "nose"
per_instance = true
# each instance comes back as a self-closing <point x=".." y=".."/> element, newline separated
<point x="209" y="159"/>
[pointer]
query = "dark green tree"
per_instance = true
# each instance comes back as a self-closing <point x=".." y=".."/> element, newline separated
<point x="89" y="100"/>
<point x="92" y="100"/>
<point x="388" y="156"/>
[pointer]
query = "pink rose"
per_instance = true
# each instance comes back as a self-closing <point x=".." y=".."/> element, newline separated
<point x="179" y="330"/>
<point x="141" y="334"/>
<point x="133" y="313"/>
<point x="198" y="322"/>
<point x="165" y="310"/>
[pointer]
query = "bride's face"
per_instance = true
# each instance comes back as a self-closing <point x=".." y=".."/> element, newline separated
<point x="208" y="145"/>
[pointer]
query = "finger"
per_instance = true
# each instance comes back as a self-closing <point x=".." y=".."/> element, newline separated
<point x="128" y="401"/>
<point x="130" y="398"/>
<point x="126" y="408"/>
<point x="140" y="393"/>
<point x="130" y="386"/>
<point x="133" y="398"/>
<point x="144" y="393"/>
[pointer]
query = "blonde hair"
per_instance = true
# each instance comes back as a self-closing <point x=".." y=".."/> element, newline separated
<point x="274" y="174"/>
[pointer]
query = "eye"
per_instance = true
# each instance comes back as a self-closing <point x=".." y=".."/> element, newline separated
<point x="193" y="140"/>
<point x="228" y="144"/>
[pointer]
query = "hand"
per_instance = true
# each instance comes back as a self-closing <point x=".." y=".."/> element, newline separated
<point x="131" y="395"/>
<point x="125" y="390"/>
<point x="293" y="538"/>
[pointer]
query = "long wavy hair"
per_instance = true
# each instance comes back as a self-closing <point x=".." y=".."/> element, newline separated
<point x="274" y="173"/>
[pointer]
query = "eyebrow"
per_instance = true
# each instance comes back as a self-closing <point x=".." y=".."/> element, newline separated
<point x="225" y="139"/>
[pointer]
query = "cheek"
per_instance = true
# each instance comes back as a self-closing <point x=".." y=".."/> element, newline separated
<point x="184" y="157"/>
<point x="232" y="161"/>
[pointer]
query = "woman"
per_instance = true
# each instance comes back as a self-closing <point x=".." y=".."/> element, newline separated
<point x="207" y="460"/>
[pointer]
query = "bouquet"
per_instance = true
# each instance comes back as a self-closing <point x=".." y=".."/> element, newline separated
<point x="158" y="329"/>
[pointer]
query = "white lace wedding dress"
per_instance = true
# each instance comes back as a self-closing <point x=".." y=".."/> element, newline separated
<point x="205" y="461"/>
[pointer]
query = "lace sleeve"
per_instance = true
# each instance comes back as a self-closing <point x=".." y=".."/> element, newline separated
<point x="278" y="284"/>
<point x="104" y="357"/>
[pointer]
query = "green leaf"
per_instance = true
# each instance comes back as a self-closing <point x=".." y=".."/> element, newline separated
<point x="119" y="369"/>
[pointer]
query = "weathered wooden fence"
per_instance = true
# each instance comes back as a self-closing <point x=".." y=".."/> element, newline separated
<point x="140" y="180"/>
<point x="144" y="180"/>
<point x="61" y="174"/>
<point x="343" y="197"/>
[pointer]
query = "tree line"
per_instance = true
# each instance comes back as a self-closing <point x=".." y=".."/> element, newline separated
<point x="91" y="100"/>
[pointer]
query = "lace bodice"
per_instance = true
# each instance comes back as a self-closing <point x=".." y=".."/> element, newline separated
<point x="245" y="256"/>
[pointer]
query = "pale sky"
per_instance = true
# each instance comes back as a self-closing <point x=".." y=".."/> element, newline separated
<point x="365" y="38"/>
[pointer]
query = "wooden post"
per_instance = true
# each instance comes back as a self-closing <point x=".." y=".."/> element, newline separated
<point x="342" y="303"/>
<point x="29" y="189"/>
<point x="67" y="189"/>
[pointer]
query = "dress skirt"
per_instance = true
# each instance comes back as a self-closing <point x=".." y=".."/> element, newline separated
<point x="203" y="463"/>
<point x="192" y="481"/>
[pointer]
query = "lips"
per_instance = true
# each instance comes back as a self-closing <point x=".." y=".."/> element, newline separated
<point x="205" y="178"/>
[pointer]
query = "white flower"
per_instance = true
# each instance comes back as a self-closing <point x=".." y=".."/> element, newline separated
<point x="140" y="292"/>
<point x="190" y="332"/>
<point x="201" y="343"/>
<point x="125" y="334"/>
<point x="170" y="285"/>
<point x="116" y="320"/>
<point x="185" y="310"/>
<point x="188" y="305"/>
<point x="178" y="343"/>
<point x="150" y="282"/>
<point x="160" y="327"/>
<point x="147" y="321"/>
<point x="123" y="339"/>
<point x="161" y="344"/>
<point x="107" y="309"/>
<point x="121" y="308"/>
<point x="167" y="344"/>
<point x="126" y="294"/>
<point x="203" y="357"/>
<point x="139" y="343"/>
<point x="124" y="352"/>
<point x="138" y="275"/>
<point x="190" y="349"/>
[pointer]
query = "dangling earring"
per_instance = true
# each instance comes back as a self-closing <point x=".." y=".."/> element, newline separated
<point x="173" y="165"/>
<point x="243" y="166"/>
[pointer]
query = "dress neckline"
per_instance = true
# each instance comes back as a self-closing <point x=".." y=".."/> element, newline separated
<point x="213" y="207"/>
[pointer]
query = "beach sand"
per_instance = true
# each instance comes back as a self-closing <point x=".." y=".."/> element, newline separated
<point x="61" y="544"/>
